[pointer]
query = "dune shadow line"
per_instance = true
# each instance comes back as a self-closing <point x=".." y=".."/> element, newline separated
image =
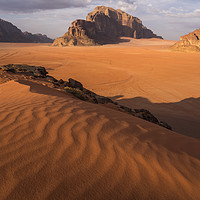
<point x="183" y="116"/>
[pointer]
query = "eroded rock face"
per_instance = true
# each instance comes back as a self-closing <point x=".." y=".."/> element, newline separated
<point x="10" y="33"/>
<point x="104" y="25"/>
<point x="116" y="23"/>
<point x="81" y="33"/>
<point x="190" y="42"/>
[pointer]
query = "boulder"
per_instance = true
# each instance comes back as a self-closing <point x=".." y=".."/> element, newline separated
<point x="75" y="84"/>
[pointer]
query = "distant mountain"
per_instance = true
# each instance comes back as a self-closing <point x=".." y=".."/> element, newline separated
<point x="10" y="33"/>
<point x="189" y="42"/>
<point x="102" y="26"/>
<point x="37" y="38"/>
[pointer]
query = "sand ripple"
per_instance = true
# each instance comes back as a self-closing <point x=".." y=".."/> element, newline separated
<point x="61" y="148"/>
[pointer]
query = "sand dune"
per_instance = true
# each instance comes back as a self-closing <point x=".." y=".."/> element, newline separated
<point x="138" y="73"/>
<point x="54" y="146"/>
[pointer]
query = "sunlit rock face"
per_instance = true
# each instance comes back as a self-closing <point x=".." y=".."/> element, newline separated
<point x="189" y="42"/>
<point x="104" y="25"/>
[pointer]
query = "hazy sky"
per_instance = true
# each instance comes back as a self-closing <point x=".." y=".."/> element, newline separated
<point x="168" y="18"/>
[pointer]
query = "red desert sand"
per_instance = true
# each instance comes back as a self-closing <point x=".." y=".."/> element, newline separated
<point x="54" y="146"/>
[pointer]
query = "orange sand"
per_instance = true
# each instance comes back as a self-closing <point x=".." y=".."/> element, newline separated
<point x="53" y="146"/>
<point x="152" y="77"/>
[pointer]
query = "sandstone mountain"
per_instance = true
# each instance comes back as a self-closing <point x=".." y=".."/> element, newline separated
<point x="190" y="42"/>
<point x="10" y="33"/>
<point x="104" y="25"/>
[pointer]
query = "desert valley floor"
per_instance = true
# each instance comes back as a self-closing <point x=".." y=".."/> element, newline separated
<point x="57" y="147"/>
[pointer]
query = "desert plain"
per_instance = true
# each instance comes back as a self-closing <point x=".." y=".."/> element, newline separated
<point x="54" y="146"/>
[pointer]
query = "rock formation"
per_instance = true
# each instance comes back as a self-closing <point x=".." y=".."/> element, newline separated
<point x="104" y="25"/>
<point x="190" y="42"/>
<point x="40" y="75"/>
<point x="81" y="33"/>
<point x="10" y="33"/>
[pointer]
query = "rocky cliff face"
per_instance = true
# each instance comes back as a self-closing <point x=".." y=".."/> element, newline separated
<point x="81" y="33"/>
<point x="104" y="25"/>
<point x="190" y="42"/>
<point x="10" y="33"/>
<point x="117" y="23"/>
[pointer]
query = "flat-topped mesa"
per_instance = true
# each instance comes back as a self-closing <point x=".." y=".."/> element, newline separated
<point x="189" y="42"/>
<point x="104" y="25"/>
<point x="118" y="23"/>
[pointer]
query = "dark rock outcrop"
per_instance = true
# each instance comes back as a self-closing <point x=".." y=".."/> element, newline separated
<point x="10" y="33"/>
<point x="145" y="114"/>
<point x="189" y="42"/>
<point x="75" y="84"/>
<point x="39" y="74"/>
<point x="104" y="25"/>
<point x="25" y="69"/>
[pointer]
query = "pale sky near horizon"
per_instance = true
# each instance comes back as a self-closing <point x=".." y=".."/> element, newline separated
<point x="168" y="18"/>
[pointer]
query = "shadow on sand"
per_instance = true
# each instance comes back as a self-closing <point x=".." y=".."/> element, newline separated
<point x="183" y="116"/>
<point x="116" y="41"/>
<point x="42" y="89"/>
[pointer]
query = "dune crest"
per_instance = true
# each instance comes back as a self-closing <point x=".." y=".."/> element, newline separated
<point x="62" y="148"/>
